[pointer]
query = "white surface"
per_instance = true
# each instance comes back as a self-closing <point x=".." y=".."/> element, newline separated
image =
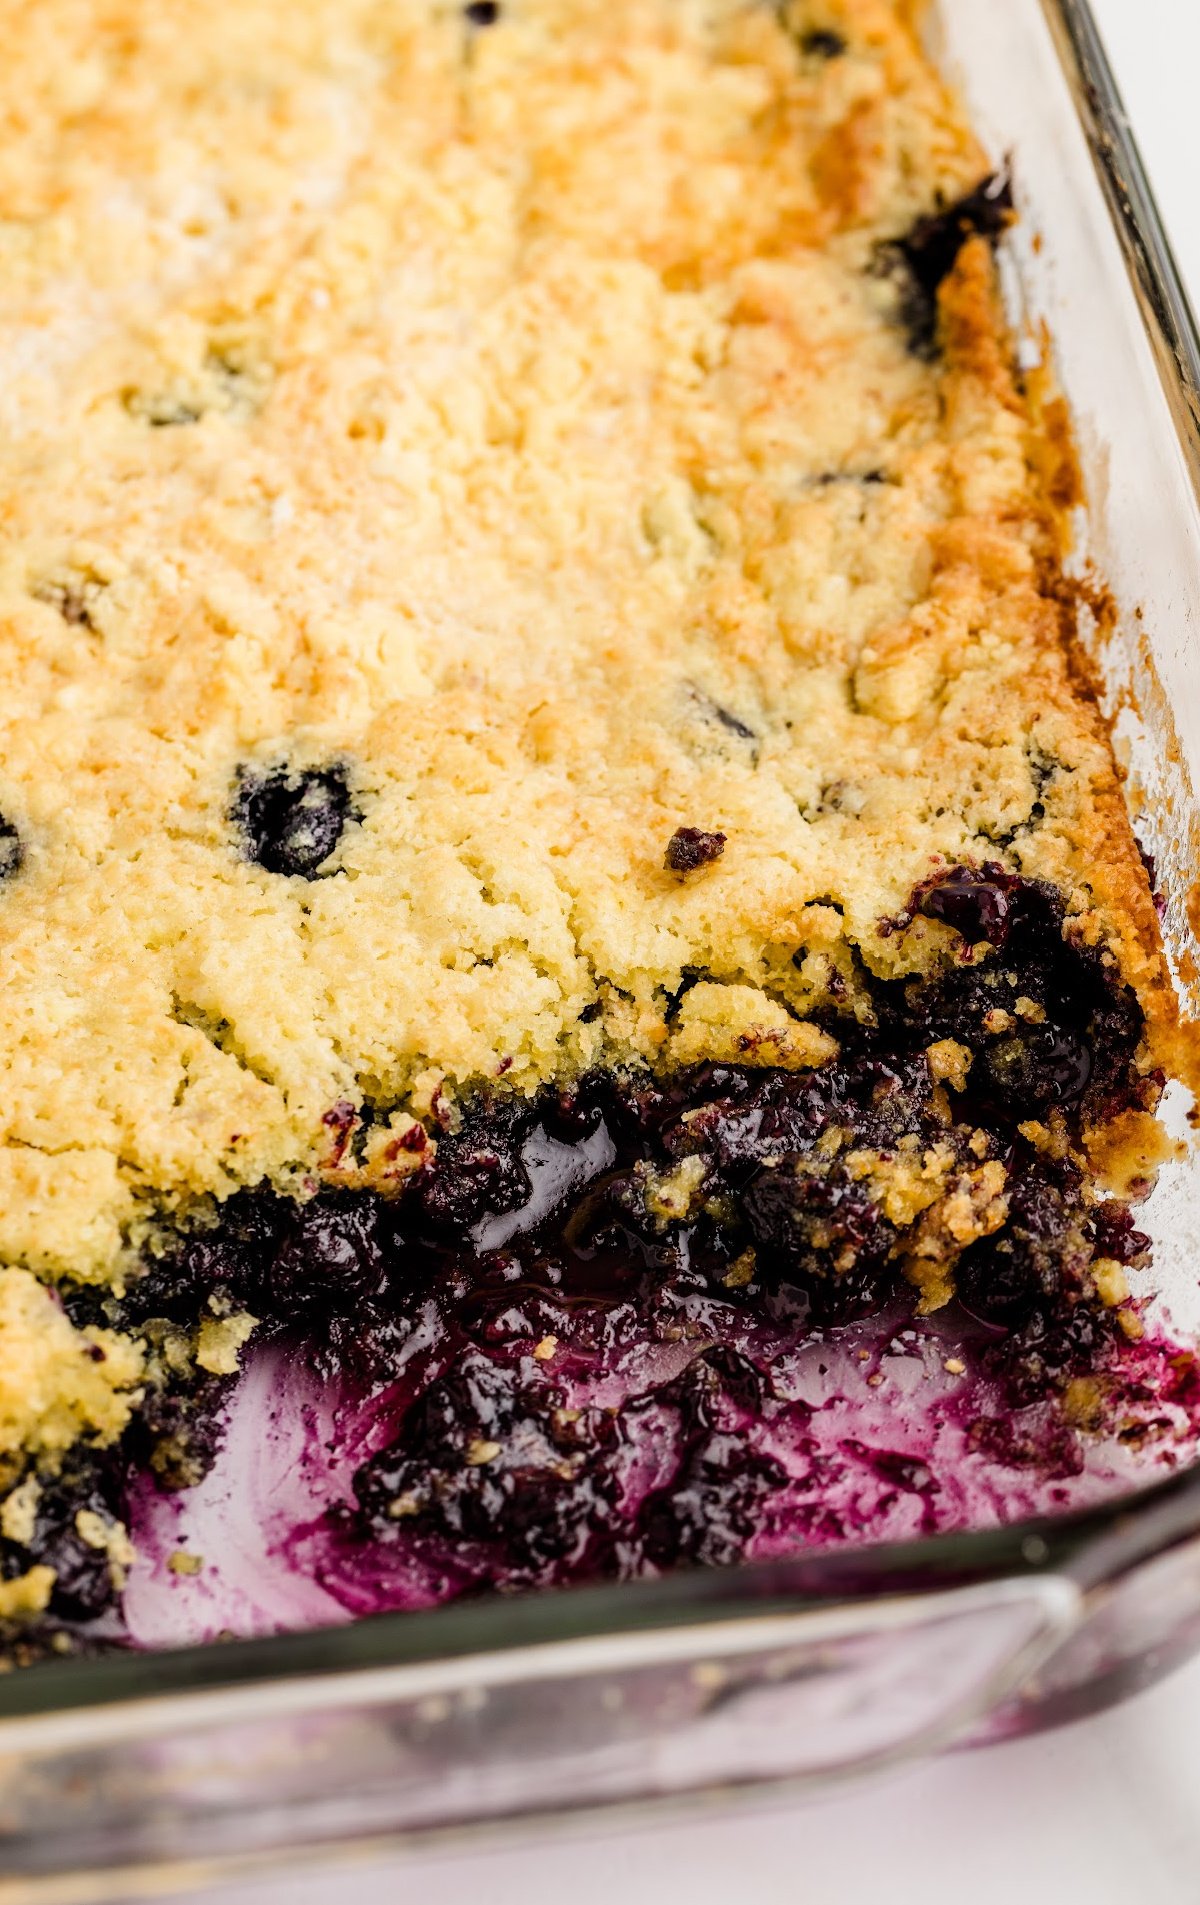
<point x="1107" y="1811"/>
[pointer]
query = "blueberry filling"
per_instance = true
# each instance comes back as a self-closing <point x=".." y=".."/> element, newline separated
<point x="71" y="1516"/>
<point x="1047" y="1020"/>
<point x="721" y="1489"/>
<point x="690" y="847"/>
<point x="584" y="1382"/>
<point x="291" y="819"/>
<point x="973" y="900"/>
<point x="12" y="853"/>
<point x="925" y="257"/>
<point x="491" y="1461"/>
<point x="870" y="479"/>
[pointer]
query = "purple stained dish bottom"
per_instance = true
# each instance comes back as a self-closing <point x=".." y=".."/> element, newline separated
<point x="869" y="1437"/>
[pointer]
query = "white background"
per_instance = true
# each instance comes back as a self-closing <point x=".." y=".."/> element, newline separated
<point x="1107" y="1811"/>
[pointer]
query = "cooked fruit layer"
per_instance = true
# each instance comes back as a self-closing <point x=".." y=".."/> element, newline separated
<point x="574" y="1316"/>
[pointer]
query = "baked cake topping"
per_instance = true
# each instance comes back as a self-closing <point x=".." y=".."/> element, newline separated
<point x="446" y="452"/>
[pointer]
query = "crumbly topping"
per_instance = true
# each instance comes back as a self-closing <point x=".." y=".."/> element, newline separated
<point x="26" y="1594"/>
<point x="58" y="1383"/>
<point x="221" y="1340"/>
<point x="508" y="436"/>
<point x="18" y="1511"/>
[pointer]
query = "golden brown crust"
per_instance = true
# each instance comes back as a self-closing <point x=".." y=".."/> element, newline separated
<point x="522" y="419"/>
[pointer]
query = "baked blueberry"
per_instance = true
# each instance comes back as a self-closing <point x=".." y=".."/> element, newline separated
<point x="71" y="599"/>
<point x="478" y="1172"/>
<point x="482" y="12"/>
<point x="690" y="847"/>
<point x="975" y="901"/>
<point x="722" y="1486"/>
<point x="159" y="411"/>
<point x="292" y="819"/>
<point x="821" y="1234"/>
<point x="716" y="1502"/>
<point x="712" y="710"/>
<point x="12" y="852"/>
<point x="925" y="257"/>
<point x="331" y="1260"/>
<point x="1036" y="1068"/>
<point x="491" y="1461"/>
<point x="84" y="1584"/>
<point x="822" y="43"/>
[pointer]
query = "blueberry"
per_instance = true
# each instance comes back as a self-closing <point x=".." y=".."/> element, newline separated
<point x="1114" y="1235"/>
<point x="1064" y="1337"/>
<point x="1019" y="1273"/>
<point x="711" y="710"/>
<point x="870" y="479"/>
<point x="925" y="257"/>
<point x="743" y="1117"/>
<point x="230" y="1260"/>
<point x="819" y="1233"/>
<point x="821" y="43"/>
<point x="482" y="12"/>
<point x="732" y="722"/>
<point x="83" y="1586"/>
<point x="70" y="600"/>
<point x="292" y="818"/>
<point x="331" y="1262"/>
<point x="490" y="1461"/>
<point x="12" y="852"/>
<point x="478" y="1172"/>
<point x="975" y="902"/>
<point x="178" y="1431"/>
<point x="571" y="1113"/>
<point x="161" y="413"/>
<point x="997" y="1281"/>
<point x="722" y="1375"/>
<point x="689" y="848"/>
<point x="1083" y="1052"/>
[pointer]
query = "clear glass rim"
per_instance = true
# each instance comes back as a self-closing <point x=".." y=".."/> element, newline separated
<point x="1090" y="1547"/>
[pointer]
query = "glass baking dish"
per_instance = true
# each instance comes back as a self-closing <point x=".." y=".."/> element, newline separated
<point x="139" y="1774"/>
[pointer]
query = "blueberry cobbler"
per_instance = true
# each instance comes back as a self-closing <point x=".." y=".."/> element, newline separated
<point x="577" y="995"/>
